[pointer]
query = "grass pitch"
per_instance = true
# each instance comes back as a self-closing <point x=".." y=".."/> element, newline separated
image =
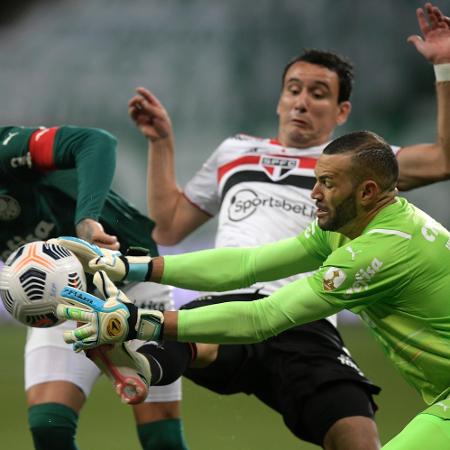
<point x="211" y="421"/>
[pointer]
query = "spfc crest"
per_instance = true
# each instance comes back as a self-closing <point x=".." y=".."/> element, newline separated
<point x="277" y="167"/>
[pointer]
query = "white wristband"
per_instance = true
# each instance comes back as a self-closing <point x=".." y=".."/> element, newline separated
<point x="442" y="72"/>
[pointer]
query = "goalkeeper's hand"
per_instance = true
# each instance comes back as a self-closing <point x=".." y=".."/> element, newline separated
<point x="106" y="322"/>
<point x="117" y="266"/>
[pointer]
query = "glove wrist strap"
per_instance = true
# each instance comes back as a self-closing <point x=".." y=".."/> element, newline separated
<point x="150" y="325"/>
<point x="139" y="268"/>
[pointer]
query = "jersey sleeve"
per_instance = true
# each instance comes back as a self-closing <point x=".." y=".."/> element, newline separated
<point x="246" y="322"/>
<point x="202" y="189"/>
<point x="223" y="269"/>
<point x="364" y="271"/>
<point x="92" y="153"/>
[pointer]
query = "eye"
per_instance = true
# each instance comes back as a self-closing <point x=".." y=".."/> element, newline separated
<point x="317" y="93"/>
<point x="326" y="182"/>
<point x="294" y="90"/>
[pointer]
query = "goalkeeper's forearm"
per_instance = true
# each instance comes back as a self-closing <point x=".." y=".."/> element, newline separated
<point x="246" y="322"/>
<point x="224" y="269"/>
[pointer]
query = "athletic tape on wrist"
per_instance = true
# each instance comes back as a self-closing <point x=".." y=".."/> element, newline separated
<point x="442" y="72"/>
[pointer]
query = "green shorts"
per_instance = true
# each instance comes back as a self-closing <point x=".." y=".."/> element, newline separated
<point x="429" y="429"/>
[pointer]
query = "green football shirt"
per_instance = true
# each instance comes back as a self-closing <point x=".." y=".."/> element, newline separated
<point x="396" y="275"/>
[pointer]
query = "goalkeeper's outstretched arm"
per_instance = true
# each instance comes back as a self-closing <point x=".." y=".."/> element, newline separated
<point x="117" y="319"/>
<point x="224" y="269"/>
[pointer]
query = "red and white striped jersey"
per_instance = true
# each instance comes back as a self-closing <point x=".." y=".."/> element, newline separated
<point x="261" y="191"/>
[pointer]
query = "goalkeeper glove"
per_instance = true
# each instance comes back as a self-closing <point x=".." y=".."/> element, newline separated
<point x="106" y="322"/>
<point x="117" y="266"/>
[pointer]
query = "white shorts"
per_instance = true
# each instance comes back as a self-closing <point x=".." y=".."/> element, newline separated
<point x="49" y="358"/>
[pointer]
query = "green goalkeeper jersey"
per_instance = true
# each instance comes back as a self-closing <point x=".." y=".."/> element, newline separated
<point x="52" y="178"/>
<point x="395" y="275"/>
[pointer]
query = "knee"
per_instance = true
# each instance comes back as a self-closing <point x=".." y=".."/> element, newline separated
<point x="352" y="433"/>
<point x="206" y="354"/>
<point x="339" y="416"/>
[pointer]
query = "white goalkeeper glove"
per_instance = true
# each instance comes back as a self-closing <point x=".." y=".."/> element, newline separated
<point x="106" y="322"/>
<point x="117" y="266"/>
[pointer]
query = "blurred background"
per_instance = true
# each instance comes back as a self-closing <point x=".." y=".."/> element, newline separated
<point x="216" y="66"/>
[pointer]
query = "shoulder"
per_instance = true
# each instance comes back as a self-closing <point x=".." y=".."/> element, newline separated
<point x="243" y="140"/>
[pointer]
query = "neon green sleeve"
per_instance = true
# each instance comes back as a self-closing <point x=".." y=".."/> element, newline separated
<point x="245" y="322"/>
<point x="222" y="269"/>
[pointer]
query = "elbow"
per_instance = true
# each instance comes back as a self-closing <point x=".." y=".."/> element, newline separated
<point x="446" y="172"/>
<point x="106" y="142"/>
<point x="166" y="236"/>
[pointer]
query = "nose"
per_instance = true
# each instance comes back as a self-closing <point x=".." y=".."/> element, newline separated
<point x="316" y="194"/>
<point x="301" y="101"/>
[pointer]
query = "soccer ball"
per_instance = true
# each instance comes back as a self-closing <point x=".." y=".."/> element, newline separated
<point x="32" y="278"/>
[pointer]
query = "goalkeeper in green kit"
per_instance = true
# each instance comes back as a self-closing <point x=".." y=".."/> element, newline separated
<point x="371" y="252"/>
<point x="57" y="181"/>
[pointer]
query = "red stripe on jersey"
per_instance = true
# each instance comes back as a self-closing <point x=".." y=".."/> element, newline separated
<point x="41" y="148"/>
<point x="302" y="162"/>
<point x="248" y="159"/>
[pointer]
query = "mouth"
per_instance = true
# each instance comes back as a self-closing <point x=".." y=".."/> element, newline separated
<point x="301" y="123"/>
<point x="321" y="211"/>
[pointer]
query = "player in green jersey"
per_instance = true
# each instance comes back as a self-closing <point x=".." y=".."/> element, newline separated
<point x="50" y="185"/>
<point x="371" y="252"/>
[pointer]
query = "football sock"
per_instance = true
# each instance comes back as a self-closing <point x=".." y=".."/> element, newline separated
<point x="168" y="361"/>
<point x="162" y="435"/>
<point x="53" y="426"/>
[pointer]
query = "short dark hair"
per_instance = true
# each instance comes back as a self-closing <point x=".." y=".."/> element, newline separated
<point x="332" y="61"/>
<point x="372" y="157"/>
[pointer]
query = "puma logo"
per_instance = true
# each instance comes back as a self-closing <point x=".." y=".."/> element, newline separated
<point x="9" y="137"/>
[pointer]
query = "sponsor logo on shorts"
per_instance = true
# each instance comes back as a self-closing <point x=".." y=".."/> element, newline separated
<point x="41" y="233"/>
<point x="114" y="327"/>
<point x="9" y="208"/>
<point x="347" y="361"/>
<point x="333" y="278"/>
<point x="158" y="306"/>
<point x="246" y="202"/>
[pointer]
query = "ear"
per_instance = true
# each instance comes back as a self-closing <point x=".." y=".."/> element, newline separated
<point x="344" y="110"/>
<point x="368" y="192"/>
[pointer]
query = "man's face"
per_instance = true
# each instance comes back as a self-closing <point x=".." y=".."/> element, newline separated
<point x="334" y="193"/>
<point x="308" y="107"/>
